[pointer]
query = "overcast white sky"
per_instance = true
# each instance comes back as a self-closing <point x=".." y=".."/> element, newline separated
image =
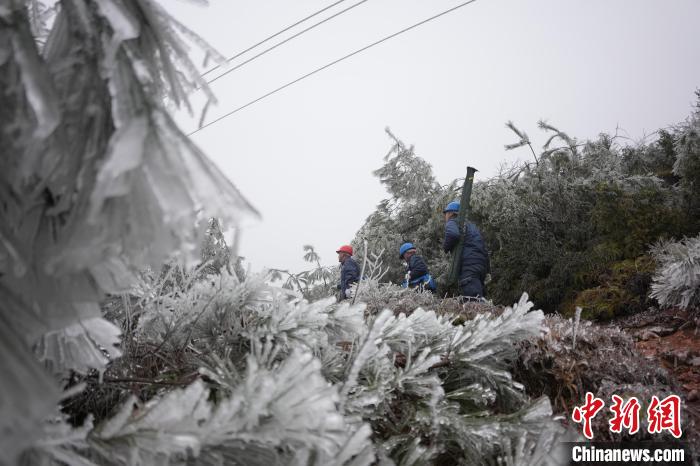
<point x="304" y="156"/>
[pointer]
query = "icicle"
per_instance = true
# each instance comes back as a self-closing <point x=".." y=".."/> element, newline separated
<point x="577" y="319"/>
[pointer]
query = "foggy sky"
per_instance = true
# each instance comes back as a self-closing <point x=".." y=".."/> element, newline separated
<point x="304" y="156"/>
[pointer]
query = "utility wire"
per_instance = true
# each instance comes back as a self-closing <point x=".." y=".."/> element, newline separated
<point x="228" y="60"/>
<point x="328" y="65"/>
<point x="285" y="41"/>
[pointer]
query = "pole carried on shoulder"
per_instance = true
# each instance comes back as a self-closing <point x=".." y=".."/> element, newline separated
<point x="462" y="218"/>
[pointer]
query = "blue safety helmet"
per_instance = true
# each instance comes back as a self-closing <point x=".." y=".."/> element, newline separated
<point x="404" y="248"/>
<point x="452" y="207"/>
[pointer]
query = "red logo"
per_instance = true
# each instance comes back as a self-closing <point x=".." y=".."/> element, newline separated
<point x="625" y="415"/>
<point x="665" y="415"/>
<point x="587" y="412"/>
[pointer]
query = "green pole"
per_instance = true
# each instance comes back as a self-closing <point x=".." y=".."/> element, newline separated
<point x="462" y="222"/>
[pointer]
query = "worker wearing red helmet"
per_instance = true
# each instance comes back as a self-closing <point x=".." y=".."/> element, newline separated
<point x="349" y="271"/>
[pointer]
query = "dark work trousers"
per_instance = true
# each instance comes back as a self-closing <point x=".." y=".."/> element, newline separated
<point x="471" y="286"/>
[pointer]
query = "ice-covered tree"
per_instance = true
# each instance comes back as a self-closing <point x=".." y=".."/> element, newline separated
<point x="410" y="214"/>
<point x="572" y="225"/>
<point x="96" y="182"/>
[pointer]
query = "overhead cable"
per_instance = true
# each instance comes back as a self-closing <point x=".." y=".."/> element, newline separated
<point x="230" y="59"/>
<point x="286" y="40"/>
<point x="328" y="65"/>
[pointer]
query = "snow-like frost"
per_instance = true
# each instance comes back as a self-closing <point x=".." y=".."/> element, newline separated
<point x="80" y="346"/>
<point x="677" y="278"/>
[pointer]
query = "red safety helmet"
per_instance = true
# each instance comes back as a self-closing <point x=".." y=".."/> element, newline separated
<point x="346" y="249"/>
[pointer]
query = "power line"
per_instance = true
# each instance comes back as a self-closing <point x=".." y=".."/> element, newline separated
<point x="228" y="60"/>
<point x="331" y="64"/>
<point x="286" y="40"/>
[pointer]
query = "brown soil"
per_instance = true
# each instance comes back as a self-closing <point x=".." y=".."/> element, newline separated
<point x="672" y="338"/>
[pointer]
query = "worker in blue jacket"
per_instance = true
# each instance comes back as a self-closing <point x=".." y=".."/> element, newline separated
<point x="475" y="264"/>
<point x="349" y="271"/>
<point x="417" y="270"/>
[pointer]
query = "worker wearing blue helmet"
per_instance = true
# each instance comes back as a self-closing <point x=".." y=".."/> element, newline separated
<point x="475" y="263"/>
<point x="417" y="275"/>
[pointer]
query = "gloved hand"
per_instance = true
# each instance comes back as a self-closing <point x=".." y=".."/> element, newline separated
<point x="487" y="280"/>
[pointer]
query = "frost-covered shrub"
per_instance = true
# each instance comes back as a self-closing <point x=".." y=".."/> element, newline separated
<point x="379" y="296"/>
<point x="552" y="365"/>
<point x="687" y="166"/>
<point x="677" y="279"/>
<point x="604" y="361"/>
<point x="243" y="369"/>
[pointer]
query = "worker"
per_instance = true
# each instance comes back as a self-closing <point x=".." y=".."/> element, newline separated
<point x="475" y="264"/>
<point x="417" y="275"/>
<point x="349" y="271"/>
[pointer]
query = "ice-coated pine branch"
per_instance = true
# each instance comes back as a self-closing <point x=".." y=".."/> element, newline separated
<point x="280" y="413"/>
<point x="524" y="139"/>
<point x="677" y="278"/>
<point x="570" y="142"/>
